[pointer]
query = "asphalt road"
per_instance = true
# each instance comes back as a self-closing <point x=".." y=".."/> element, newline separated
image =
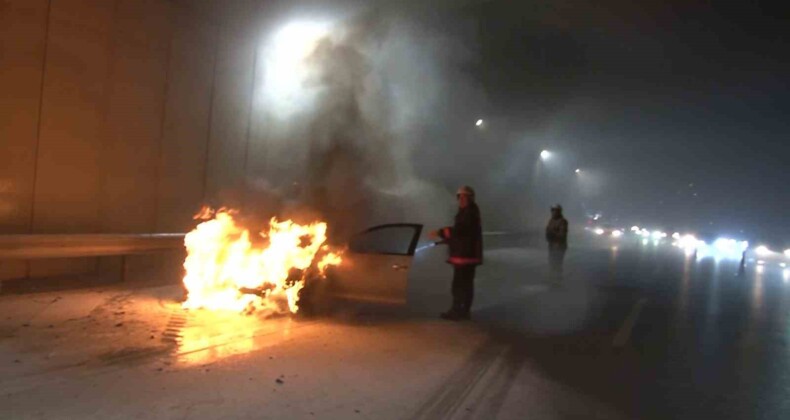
<point x="664" y="335"/>
<point x="632" y="332"/>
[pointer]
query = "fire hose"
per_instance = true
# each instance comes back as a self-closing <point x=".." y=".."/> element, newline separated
<point x="427" y="246"/>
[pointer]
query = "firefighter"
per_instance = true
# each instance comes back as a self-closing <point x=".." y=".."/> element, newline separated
<point x="465" y="243"/>
<point x="557" y="237"/>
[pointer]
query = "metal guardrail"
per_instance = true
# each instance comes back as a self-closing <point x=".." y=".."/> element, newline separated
<point x="86" y="245"/>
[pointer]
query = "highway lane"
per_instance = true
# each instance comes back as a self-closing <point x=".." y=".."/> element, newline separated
<point x="632" y="332"/>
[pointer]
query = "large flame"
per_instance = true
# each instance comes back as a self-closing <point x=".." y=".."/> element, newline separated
<point x="226" y="269"/>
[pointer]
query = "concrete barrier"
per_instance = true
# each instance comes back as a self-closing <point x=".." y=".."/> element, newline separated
<point x="85" y="245"/>
<point x="164" y="250"/>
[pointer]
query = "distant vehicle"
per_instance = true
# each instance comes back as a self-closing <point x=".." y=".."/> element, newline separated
<point x="769" y="254"/>
<point x="605" y="229"/>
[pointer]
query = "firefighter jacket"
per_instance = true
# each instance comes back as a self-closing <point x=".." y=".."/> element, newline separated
<point x="557" y="231"/>
<point x="465" y="237"/>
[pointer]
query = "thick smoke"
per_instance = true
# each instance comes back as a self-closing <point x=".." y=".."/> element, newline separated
<point x="346" y="153"/>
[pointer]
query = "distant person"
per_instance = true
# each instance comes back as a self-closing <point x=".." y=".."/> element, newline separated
<point x="465" y="243"/>
<point x="557" y="237"/>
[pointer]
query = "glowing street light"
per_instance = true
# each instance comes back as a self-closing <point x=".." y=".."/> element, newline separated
<point x="545" y="155"/>
<point x="479" y="123"/>
<point x="286" y="68"/>
<point x="578" y="171"/>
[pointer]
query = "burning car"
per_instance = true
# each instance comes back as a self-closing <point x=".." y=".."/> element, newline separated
<point x="289" y="267"/>
<point x="375" y="269"/>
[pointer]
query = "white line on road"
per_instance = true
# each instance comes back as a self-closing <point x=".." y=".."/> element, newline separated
<point x="628" y="325"/>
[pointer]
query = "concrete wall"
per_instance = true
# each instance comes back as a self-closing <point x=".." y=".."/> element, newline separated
<point x="120" y="116"/>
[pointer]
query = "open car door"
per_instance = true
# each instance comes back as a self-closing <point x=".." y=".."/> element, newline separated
<point x="376" y="266"/>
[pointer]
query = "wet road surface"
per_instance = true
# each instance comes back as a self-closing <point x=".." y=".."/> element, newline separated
<point x="633" y="332"/>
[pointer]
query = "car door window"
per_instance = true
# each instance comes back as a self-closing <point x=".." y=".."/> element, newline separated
<point x="399" y="239"/>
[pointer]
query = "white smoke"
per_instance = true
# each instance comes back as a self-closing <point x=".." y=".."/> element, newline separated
<point x="341" y="107"/>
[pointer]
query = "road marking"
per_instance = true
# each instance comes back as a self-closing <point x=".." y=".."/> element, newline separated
<point x="628" y="325"/>
<point x="447" y="400"/>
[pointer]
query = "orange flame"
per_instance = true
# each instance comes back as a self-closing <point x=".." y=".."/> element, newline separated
<point x="223" y="264"/>
<point x="204" y="213"/>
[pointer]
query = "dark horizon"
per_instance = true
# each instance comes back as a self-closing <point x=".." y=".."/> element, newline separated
<point x="652" y="97"/>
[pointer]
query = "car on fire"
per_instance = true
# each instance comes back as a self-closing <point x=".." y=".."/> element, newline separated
<point x="375" y="269"/>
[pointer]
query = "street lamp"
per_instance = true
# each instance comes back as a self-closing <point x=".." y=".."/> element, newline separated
<point x="578" y="171"/>
<point x="479" y="123"/>
<point x="545" y="155"/>
<point x="286" y="66"/>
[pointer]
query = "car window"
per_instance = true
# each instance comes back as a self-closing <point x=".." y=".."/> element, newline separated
<point x="387" y="239"/>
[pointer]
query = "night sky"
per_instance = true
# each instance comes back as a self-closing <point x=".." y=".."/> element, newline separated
<point x="679" y="108"/>
<point x="675" y="111"/>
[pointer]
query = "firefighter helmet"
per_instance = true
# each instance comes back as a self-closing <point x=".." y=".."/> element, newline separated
<point x="466" y="190"/>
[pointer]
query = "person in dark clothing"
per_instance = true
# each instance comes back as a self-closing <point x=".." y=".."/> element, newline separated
<point x="557" y="237"/>
<point x="465" y="243"/>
